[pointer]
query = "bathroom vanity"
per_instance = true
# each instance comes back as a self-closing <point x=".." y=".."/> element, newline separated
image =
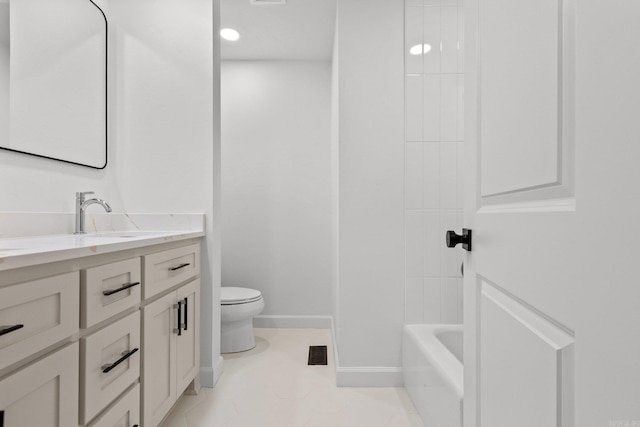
<point x="98" y="330"/>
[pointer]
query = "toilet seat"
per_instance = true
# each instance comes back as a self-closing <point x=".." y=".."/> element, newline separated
<point x="230" y="295"/>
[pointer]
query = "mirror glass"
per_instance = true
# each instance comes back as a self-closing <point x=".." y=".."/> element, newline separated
<point x="53" y="90"/>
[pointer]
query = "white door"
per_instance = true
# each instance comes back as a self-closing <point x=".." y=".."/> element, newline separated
<point x="552" y="298"/>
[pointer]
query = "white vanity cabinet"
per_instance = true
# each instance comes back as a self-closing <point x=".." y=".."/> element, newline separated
<point x="79" y="346"/>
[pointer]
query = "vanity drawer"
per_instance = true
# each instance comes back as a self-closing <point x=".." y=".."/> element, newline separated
<point x="108" y="290"/>
<point x="165" y="269"/>
<point x="126" y="412"/>
<point x="109" y="364"/>
<point x="37" y="314"/>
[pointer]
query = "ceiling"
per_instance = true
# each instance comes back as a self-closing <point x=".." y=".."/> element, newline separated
<point x="296" y="30"/>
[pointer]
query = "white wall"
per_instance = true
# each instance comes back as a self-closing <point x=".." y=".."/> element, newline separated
<point x="4" y="73"/>
<point x="163" y="147"/>
<point x="276" y="178"/>
<point x="371" y="202"/>
<point x="433" y="149"/>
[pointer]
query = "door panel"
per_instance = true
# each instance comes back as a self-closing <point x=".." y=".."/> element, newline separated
<point x="526" y="105"/>
<point x="187" y="349"/>
<point x="525" y="365"/>
<point x="158" y="363"/>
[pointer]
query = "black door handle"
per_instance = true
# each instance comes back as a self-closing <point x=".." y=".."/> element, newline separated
<point x="186" y="315"/>
<point x="454" y="239"/>
<point x="107" y="368"/>
<point x="178" y="330"/>
<point x="8" y="330"/>
<point x="179" y="266"/>
<point x="120" y="289"/>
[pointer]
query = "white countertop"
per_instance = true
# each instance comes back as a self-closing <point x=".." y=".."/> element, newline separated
<point x="28" y="251"/>
<point x="28" y="239"/>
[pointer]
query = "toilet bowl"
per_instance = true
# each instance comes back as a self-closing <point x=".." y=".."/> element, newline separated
<point x="238" y="306"/>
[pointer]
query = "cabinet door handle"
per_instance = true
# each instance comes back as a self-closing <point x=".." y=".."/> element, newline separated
<point x="1" y="418"/>
<point x="120" y="289"/>
<point x="107" y="368"/>
<point x="178" y="330"/>
<point x="8" y="330"/>
<point x="186" y="315"/>
<point x="179" y="266"/>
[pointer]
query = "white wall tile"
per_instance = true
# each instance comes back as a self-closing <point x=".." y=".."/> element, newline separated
<point x="448" y="175"/>
<point x="460" y="107"/>
<point x="461" y="39"/>
<point x="433" y="240"/>
<point x="432" y="300"/>
<point x="460" y="175"/>
<point x="414" y="243"/>
<point x="449" y="300"/>
<point x="433" y="169"/>
<point x="449" y="107"/>
<point x="449" y="266"/>
<point x="414" y="297"/>
<point x="460" y="301"/>
<point x="413" y="175"/>
<point x="431" y="175"/>
<point x="413" y="36"/>
<point x="409" y="3"/>
<point x="449" y="39"/>
<point x="431" y="31"/>
<point x="431" y="113"/>
<point x="413" y="107"/>
<point x="460" y="252"/>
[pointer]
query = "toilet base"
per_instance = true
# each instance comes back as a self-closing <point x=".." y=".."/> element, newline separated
<point x="237" y="336"/>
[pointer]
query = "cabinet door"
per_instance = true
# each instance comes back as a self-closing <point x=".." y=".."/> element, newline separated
<point x="187" y="343"/>
<point x="158" y="359"/>
<point x="44" y="394"/>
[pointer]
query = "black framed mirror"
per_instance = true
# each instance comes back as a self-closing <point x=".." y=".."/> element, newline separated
<point x="53" y="80"/>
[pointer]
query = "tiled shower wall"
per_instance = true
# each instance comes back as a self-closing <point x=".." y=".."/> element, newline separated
<point x="434" y="134"/>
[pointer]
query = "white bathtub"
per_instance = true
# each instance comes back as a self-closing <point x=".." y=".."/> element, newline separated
<point x="433" y="372"/>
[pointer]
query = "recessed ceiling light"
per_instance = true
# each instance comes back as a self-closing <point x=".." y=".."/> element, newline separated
<point x="420" y="49"/>
<point x="229" y="34"/>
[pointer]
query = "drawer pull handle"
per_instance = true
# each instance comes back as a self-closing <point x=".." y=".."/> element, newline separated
<point x="123" y="288"/>
<point x="186" y="321"/>
<point x="180" y="266"/>
<point x="10" y="329"/>
<point x="107" y="368"/>
<point x="178" y="330"/>
<point x="1" y="418"/>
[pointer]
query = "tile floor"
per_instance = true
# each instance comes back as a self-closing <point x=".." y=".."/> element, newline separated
<point x="272" y="385"/>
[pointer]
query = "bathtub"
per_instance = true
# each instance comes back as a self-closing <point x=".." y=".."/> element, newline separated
<point x="432" y="366"/>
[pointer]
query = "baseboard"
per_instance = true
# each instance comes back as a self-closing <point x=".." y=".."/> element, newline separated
<point x="293" y="322"/>
<point x="210" y="376"/>
<point x="369" y="376"/>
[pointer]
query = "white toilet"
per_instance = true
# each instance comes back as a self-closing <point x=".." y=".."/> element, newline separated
<point x="239" y="305"/>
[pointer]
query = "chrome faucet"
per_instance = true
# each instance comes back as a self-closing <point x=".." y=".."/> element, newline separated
<point x="82" y="205"/>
